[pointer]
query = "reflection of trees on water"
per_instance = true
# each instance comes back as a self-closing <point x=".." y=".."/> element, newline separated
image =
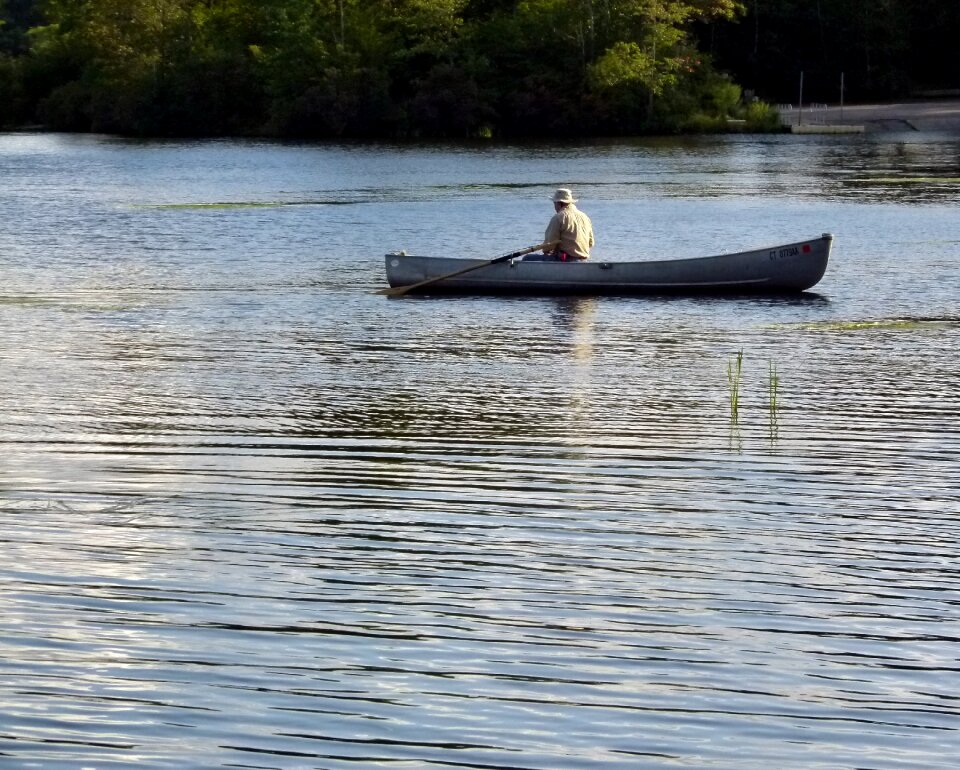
<point x="909" y="171"/>
<point x="919" y="168"/>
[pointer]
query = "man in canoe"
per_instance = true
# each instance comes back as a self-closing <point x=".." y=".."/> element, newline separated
<point x="569" y="227"/>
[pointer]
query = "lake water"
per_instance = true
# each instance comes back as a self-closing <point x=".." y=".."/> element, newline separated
<point x="256" y="516"/>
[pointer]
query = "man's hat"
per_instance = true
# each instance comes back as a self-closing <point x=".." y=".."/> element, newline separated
<point x="563" y="195"/>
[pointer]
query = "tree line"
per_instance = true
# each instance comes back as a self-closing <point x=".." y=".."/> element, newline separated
<point x="452" y="68"/>
<point x="883" y="49"/>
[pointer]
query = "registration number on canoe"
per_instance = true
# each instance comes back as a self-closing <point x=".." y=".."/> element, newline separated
<point x="790" y="251"/>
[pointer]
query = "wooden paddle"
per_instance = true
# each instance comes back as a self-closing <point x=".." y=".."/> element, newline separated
<point x="399" y="291"/>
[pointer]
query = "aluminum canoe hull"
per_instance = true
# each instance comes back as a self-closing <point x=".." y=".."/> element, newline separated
<point x="785" y="268"/>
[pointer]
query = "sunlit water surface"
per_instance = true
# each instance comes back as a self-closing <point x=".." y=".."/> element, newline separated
<point x="255" y="515"/>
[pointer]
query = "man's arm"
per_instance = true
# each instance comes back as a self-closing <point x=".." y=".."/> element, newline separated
<point x="553" y="231"/>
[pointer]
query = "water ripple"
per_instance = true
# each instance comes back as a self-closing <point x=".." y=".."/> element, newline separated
<point x="253" y="515"/>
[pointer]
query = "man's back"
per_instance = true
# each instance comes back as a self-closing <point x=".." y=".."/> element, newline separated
<point x="573" y="229"/>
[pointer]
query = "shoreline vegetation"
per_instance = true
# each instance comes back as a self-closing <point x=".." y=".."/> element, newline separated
<point x="456" y="69"/>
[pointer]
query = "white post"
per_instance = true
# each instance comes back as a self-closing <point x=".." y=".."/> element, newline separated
<point x="841" y="97"/>
<point x="800" y="113"/>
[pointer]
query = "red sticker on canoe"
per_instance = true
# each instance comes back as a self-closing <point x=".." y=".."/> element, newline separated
<point x="806" y="248"/>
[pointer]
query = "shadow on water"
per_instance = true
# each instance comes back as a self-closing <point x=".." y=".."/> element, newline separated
<point x="704" y="297"/>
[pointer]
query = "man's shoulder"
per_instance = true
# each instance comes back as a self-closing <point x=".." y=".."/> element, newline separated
<point x="578" y="214"/>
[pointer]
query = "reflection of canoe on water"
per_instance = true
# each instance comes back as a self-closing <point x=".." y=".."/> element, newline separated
<point x="792" y="267"/>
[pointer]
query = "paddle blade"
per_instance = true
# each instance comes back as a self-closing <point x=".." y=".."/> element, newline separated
<point x="394" y="291"/>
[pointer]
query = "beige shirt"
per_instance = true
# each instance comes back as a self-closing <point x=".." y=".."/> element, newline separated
<point x="573" y="229"/>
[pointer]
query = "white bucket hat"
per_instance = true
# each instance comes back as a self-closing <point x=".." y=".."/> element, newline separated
<point x="563" y="195"/>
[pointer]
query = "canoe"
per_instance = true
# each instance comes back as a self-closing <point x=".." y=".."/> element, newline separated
<point x="787" y="268"/>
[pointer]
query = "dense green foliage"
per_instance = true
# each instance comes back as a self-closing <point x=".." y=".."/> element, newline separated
<point x="884" y="49"/>
<point x="458" y="68"/>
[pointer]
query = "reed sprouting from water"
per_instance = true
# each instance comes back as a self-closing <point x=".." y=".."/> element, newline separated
<point x="734" y="373"/>
<point x="773" y="398"/>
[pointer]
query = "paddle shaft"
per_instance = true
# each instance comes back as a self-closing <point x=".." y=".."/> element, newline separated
<point x="399" y="291"/>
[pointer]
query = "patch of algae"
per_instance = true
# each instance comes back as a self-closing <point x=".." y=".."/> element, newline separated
<point x="881" y="324"/>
